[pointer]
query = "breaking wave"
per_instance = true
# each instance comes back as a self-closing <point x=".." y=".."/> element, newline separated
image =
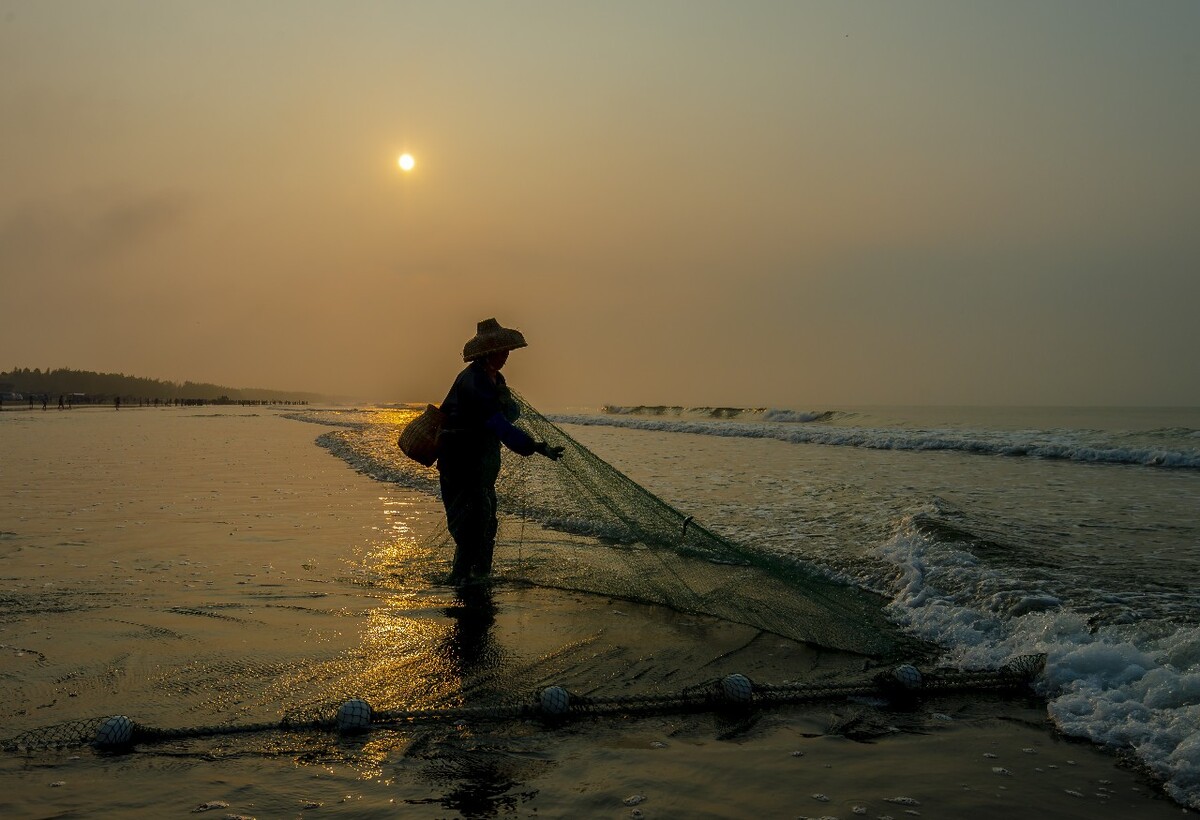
<point x="1067" y="445"/>
<point x="728" y="413"/>
<point x="1128" y="683"/>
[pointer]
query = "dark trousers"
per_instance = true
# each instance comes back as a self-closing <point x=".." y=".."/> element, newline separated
<point x="467" y="472"/>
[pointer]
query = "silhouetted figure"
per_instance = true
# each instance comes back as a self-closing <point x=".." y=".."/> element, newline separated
<point x="480" y="412"/>
<point x="117" y="402"/>
<point x="60" y="402"/>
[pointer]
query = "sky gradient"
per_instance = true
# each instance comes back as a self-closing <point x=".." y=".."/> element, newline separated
<point x="786" y="204"/>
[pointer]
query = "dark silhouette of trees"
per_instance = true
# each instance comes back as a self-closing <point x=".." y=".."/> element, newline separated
<point x="65" y="381"/>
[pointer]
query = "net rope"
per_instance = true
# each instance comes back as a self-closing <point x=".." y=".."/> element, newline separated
<point x="1014" y="677"/>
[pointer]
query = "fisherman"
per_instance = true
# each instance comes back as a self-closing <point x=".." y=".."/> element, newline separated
<point x="480" y="412"/>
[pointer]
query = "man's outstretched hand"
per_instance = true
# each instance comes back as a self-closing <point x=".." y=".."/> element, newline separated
<point x="552" y="453"/>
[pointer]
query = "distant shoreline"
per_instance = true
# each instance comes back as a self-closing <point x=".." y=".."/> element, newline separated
<point x="180" y="404"/>
<point x="104" y="388"/>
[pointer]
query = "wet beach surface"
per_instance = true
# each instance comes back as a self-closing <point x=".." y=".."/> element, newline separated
<point x="203" y="569"/>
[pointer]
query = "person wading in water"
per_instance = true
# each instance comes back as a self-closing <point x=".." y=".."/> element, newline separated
<point x="479" y="414"/>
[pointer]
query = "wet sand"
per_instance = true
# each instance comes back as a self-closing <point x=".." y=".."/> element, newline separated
<point x="206" y="567"/>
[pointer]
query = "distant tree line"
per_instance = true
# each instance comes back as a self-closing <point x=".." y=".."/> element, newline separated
<point x="64" y="381"/>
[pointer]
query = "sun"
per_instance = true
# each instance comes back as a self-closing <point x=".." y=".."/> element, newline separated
<point x="406" y="162"/>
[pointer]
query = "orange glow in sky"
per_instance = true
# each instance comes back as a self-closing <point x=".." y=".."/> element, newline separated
<point x="706" y="203"/>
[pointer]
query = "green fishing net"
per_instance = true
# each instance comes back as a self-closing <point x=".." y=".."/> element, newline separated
<point x="580" y="524"/>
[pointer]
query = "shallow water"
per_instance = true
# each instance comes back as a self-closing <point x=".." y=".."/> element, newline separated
<point x="1086" y="550"/>
<point x="992" y="533"/>
<point x="214" y="568"/>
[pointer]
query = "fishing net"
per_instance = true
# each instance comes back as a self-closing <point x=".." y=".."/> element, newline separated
<point x="576" y="524"/>
<point x="580" y="524"/>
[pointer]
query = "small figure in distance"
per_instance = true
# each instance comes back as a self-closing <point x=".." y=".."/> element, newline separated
<point x="480" y="412"/>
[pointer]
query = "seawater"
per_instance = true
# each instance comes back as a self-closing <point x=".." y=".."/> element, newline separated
<point x="157" y="563"/>
<point x="991" y="532"/>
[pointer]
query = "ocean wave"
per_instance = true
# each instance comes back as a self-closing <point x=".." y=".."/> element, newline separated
<point x="993" y="443"/>
<point x="681" y="412"/>
<point x="402" y="472"/>
<point x="804" y="416"/>
<point x="328" y="418"/>
<point x="726" y="413"/>
<point x="1129" y="686"/>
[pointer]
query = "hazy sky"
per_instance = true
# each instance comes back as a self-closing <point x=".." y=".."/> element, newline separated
<point x="789" y="204"/>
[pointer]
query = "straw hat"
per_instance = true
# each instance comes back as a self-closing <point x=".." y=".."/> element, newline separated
<point x="490" y="337"/>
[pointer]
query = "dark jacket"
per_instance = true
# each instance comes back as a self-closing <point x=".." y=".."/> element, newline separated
<point x="480" y="414"/>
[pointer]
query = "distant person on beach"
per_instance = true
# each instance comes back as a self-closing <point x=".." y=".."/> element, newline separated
<point x="480" y="412"/>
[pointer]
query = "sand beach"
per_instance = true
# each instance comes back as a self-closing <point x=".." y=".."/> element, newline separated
<point x="209" y="567"/>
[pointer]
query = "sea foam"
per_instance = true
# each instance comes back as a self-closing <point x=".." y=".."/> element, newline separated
<point x="1131" y="687"/>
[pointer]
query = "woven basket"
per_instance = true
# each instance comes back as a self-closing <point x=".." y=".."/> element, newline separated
<point x="419" y="440"/>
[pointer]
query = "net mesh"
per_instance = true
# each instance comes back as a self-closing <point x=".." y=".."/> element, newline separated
<point x="580" y="524"/>
<point x="576" y="524"/>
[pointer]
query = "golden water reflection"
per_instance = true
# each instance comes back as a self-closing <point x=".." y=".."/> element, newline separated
<point x="420" y="645"/>
<point x="396" y="416"/>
